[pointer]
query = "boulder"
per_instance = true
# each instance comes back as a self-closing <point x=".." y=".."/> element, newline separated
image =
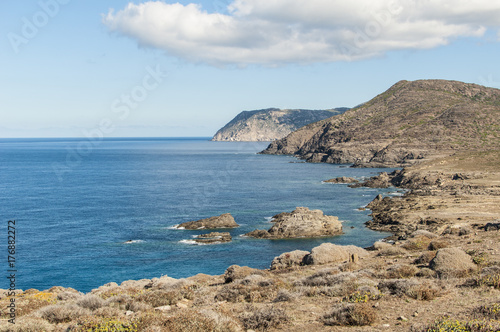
<point x="288" y="259"/>
<point x="301" y="222"/>
<point x="327" y="253"/>
<point x="225" y="220"/>
<point x="213" y="238"/>
<point x="452" y="262"/>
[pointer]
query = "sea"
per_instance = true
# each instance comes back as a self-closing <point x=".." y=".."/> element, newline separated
<point x="92" y="211"/>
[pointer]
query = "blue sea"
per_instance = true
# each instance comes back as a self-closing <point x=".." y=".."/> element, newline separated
<point x="76" y="202"/>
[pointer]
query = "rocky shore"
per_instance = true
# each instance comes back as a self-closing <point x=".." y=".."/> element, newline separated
<point x="440" y="271"/>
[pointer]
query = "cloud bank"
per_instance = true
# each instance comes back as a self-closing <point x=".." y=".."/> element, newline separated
<point x="276" y="32"/>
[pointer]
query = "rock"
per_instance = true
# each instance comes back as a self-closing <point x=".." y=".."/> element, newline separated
<point x="403" y="318"/>
<point x="425" y="233"/>
<point x="225" y="220"/>
<point x="489" y="227"/>
<point x="452" y="262"/>
<point x="301" y="222"/>
<point x="342" y="179"/>
<point x="327" y="253"/>
<point x="213" y="237"/>
<point x="381" y="181"/>
<point x="458" y="229"/>
<point x="163" y="308"/>
<point x="236" y="272"/>
<point x="288" y="259"/>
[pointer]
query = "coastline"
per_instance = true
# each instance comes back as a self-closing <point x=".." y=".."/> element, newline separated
<point x="450" y="202"/>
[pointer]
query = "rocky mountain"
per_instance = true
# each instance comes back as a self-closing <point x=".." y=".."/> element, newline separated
<point x="270" y="124"/>
<point x="412" y="120"/>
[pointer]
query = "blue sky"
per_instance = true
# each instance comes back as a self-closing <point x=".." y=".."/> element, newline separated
<point x="185" y="69"/>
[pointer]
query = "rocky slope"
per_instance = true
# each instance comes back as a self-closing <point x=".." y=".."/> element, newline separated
<point x="408" y="122"/>
<point x="270" y="124"/>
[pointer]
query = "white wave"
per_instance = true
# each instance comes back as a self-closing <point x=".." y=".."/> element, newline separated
<point x="188" y="242"/>
<point x="269" y="219"/>
<point x="176" y="227"/>
<point x="133" y="241"/>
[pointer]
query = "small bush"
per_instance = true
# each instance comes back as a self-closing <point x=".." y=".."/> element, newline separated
<point x="265" y="318"/>
<point x="490" y="311"/>
<point x="158" y="298"/>
<point x="196" y="321"/>
<point x="359" y="314"/>
<point x="453" y="325"/>
<point x="91" y="302"/>
<point x="425" y="273"/>
<point x="362" y="296"/>
<point x="103" y="324"/>
<point x="392" y="251"/>
<point x="28" y="324"/>
<point x="398" y="287"/>
<point x="284" y="296"/>
<point x="107" y="312"/>
<point x="424" y="292"/>
<point x="417" y="243"/>
<point x="56" y="314"/>
<point x="136" y="306"/>
<point x="401" y="271"/>
<point x="489" y="277"/>
<point x="242" y="293"/>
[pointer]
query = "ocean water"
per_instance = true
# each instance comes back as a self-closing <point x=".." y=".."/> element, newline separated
<point x="77" y="202"/>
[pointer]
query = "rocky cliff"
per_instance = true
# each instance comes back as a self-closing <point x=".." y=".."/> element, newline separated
<point x="408" y="122"/>
<point x="270" y="124"/>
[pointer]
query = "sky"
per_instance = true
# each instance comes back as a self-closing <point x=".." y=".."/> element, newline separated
<point x="73" y="68"/>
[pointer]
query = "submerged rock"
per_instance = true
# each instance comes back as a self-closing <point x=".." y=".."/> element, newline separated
<point x="342" y="179"/>
<point x="225" y="220"/>
<point x="301" y="222"/>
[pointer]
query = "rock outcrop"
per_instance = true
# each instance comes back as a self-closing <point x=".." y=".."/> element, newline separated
<point x="301" y="222"/>
<point x="342" y="179"/>
<point x="270" y="124"/>
<point x="409" y="122"/>
<point x="213" y="238"/>
<point x="225" y="220"/>
<point x="452" y="262"/>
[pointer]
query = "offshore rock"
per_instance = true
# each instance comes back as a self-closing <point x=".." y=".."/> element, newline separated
<point x="225" y="220"/>
<point x="301" y="222"/>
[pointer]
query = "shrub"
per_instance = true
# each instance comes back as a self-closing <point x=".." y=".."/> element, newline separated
<point x="28" y="324"/>
<point x="426" y="273"/>
<point x="489" y="277"/>
<point x="136" y="306"/>
<point x="359" y="314"/>
<point x="417" y="243"/>
<point x="401" y="271"/>
<point x="284" y="296"/>
<point x="265" y="318"/>
<point x="438" y="244"/>
<point x="196" y="321"/>
<point x="452" y="325"/>
<point x="91" y="302"/>
<point x="491" y="311"/>
<point x="103" y="324"/>
<point x="392" y="251"/>
<point x="362" y="296"/>
<point x="62" y="313"/>
<point x="158" y="298"/>
<point x="424" y="292"/>
<point x="398" y="287"/>
<point x="242" y="293"/>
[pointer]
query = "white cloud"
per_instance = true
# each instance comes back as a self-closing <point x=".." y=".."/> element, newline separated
<point x="274" y="32"/>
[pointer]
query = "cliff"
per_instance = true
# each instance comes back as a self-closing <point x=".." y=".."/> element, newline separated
<point x="270" y="124"/>
<point x="410" y="121"/>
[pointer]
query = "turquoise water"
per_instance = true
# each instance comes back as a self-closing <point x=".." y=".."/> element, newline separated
<point x="76" y="203"/>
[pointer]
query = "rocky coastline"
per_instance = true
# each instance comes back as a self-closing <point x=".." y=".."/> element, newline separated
<point x="440" y="269"/>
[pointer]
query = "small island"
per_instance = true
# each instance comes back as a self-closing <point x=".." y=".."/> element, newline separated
<point x="225" y="220"/>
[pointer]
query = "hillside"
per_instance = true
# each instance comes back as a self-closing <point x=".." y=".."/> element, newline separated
<point x="270" y="124"/>
<point x="412" y="120"/>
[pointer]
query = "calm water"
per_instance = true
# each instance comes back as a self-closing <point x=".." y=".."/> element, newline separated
<point x="75" y="204"/>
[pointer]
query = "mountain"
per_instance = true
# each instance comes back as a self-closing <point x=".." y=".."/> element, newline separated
<point x="270" y="124"/>
<point x="412" y="120"/>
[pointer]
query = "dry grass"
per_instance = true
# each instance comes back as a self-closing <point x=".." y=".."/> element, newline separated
<point x="62" y="313"/>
